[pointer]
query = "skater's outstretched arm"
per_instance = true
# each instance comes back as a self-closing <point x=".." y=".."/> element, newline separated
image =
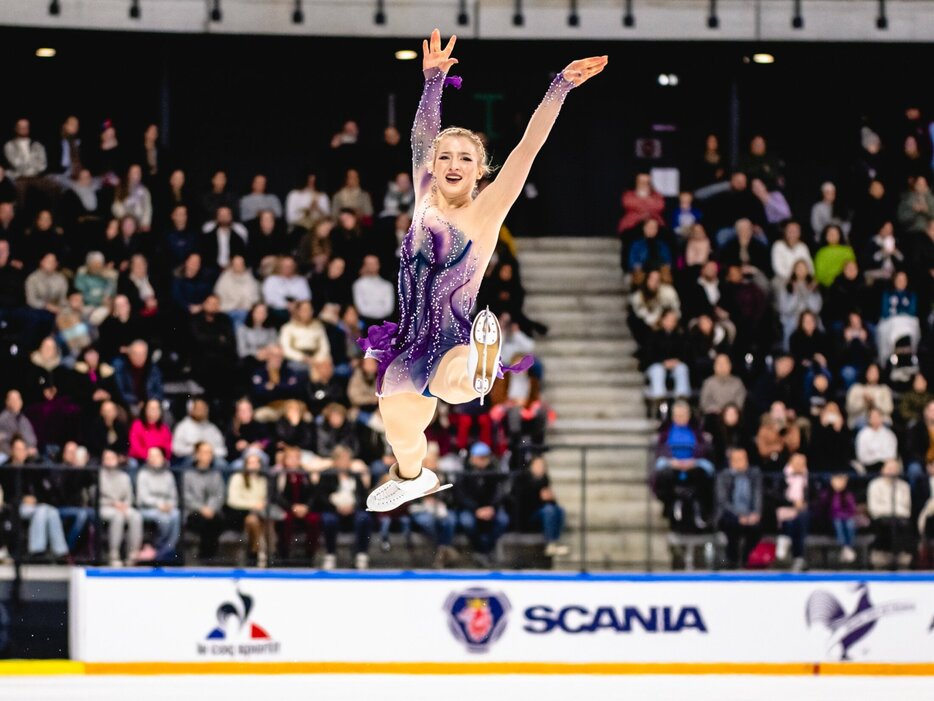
<point x="495" y="201"/>
<point x="436" y="62"/>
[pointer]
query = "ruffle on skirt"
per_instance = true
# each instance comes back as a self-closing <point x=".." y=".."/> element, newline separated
<point x="379" y="345"/>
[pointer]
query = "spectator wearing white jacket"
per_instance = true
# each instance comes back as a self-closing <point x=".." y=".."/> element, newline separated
<point x="889" y="500"/>
<point x="195" y="428"/>
<point x="373" y="296"/>
<point x="788" y="250"/>
<point x="237" y="290"/>
<point x="306" y="206"/>
<point x="875" y="443"/>
<point x="27" y="158"/>
<point x="304" y="339"/>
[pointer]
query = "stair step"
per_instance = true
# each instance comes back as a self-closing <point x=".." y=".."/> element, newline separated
<point x="571" y="300"/>
<point x="582" y="411"/>
<point x="633" y="439"/>
<point x="571" y="367"/>
<point x="593" y="317"/>
<point x="592" y="285"/>
<point x="640" y="425"/>
<point x="615" y="348"/>
<point x="536" y="260"/>
<point x="590" y="332"/>
<point x="596" y="394"/>
<point x="588" y="379"/>
<point x="568" y="243"/>
<point x="560" y="270"/>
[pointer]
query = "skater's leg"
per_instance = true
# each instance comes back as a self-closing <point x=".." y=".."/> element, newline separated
<point x="406" y="416"/>
<point x="452" y="382"/>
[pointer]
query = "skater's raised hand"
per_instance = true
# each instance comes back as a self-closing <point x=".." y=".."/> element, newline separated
<point x="581" y="70"/>
<point x="433" y="56"/>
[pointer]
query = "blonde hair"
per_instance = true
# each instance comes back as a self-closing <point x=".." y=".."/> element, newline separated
<point x="474" y="138"/>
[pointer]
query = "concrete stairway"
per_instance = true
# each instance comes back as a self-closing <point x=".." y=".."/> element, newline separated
<point x="574" y="285"/>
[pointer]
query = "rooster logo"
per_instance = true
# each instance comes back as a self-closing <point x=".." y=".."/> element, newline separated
<point x="229" y="614"/>
<point x="847" y="629"/>
<point x="477" y="617"/>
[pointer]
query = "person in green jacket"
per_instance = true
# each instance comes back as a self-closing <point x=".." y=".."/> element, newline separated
<point x="832" y="256"/>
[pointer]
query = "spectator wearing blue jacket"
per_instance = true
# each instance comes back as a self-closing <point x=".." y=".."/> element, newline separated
<point x="137" y="378"/>
<point x="648" y="252"/>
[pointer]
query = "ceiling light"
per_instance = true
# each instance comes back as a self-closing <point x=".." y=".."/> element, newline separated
<point x="518" y="19"/>
<point x="713" y="22"/>
<point x="797" y="20"/>
<point x="882" y="20"/>
<point x="406" y="55"/>
<point x="629" y="19"/>
<point x="45" y="52"/>
<point x="763" y="58"/>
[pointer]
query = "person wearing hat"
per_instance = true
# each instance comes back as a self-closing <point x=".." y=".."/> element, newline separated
<point x="479" y="495"/>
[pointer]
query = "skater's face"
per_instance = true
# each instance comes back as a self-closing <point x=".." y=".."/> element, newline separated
<point x="456" y="167"/>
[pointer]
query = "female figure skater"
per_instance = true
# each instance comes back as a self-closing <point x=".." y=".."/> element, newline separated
<point x="434" y="352"/>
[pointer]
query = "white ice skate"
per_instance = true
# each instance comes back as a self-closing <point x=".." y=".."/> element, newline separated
<point x="396" y="491"/>
<point x="486" y="339"/>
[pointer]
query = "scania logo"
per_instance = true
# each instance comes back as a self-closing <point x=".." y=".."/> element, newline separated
<point x="477" y="617"/>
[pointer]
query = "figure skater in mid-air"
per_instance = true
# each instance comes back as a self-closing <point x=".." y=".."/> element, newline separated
<point x="435" y="352"/>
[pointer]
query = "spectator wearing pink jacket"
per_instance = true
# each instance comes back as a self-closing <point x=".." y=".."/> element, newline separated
<point x="150" y="431"/>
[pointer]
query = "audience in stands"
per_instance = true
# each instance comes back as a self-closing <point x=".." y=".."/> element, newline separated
<point x="125" y="291"/>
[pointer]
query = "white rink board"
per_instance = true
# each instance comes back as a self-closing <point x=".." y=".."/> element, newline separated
<point x="268" y="616"/>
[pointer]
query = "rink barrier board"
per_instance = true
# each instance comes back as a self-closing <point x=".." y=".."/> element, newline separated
<point x="551" y="623"/>
<point x="45" y="668"/>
